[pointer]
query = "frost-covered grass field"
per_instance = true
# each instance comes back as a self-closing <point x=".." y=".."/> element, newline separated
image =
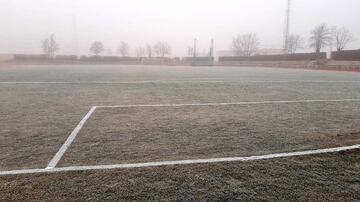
<point x="157" y="114"/>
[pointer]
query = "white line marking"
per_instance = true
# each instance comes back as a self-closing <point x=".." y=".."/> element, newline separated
<point x="26" y="171"/>
<point x="101" y="82"/>
<point x="233" y="103"/>
<point x="182" y="162"/>
<point x="55" y="160"/>
<point x="209" y="80"/>
<point x="116" y="82"/>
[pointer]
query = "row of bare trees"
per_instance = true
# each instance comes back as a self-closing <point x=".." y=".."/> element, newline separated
<point x="243" y="45"/>
<point x="321" y="36"/>
<point x="160" y="49"/>
<point x="324" y="36"/>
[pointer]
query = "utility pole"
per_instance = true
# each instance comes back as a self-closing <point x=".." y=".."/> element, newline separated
<point x="287" y="25"/>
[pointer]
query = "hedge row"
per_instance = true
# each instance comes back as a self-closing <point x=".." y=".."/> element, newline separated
<point x="30" y="57"/>
<point x="346" y="55"/>
<point x="288" y="57"/>
<point x="24" y="57"/>
<point x="192" y="59"/>
<point x="108" y="58"/>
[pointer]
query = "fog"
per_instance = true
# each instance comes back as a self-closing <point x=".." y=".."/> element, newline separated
<point x="76" y="24"/>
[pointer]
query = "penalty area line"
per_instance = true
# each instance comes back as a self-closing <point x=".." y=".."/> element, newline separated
<point x="190" y="80"/>
<point x="232" y="103"/>
<point x="55" y="160"/>
<point x="208" y="80"/>
<point x="182" y="162"/>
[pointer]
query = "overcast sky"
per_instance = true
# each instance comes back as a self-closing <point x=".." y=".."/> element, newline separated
<point x="77" y="23"/>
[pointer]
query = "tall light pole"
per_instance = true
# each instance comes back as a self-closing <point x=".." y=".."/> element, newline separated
<point x="287" y="25"/>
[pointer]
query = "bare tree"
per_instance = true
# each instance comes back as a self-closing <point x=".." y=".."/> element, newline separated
<point x="245" y="45"/>
<point x="342" y="38"/>
<point x="294" y="43"/>
<point x="321" y="36"/>
<point x="96" y="48"/>
<point x="123" y="49"/>
<point x="149" y="50"/>
<point x="50" y="46"/>
<point x="162" y="48"/>
<point x="140" y="52"/>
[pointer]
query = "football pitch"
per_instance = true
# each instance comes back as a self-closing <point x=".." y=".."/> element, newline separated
<point x="102" y="132"/>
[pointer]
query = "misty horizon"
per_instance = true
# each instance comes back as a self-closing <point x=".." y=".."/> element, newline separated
<point x="77" y="24"/>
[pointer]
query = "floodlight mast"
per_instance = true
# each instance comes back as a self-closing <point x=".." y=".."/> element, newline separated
<point x="287" y="26"/>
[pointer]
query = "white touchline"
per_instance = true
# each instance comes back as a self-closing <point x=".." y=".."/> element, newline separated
<point x="182" y="162"/>
<point x="55" y="160"/>
<point x="209" y="80"/>
<point x="232" y="103"/>
<point x="108" y="82"/>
